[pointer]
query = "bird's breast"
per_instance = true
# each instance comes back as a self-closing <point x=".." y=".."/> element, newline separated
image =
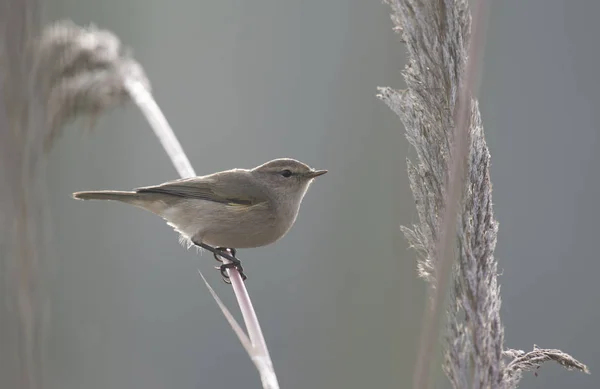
<point x="230" y="225"/>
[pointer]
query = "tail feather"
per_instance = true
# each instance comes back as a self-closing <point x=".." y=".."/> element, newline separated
<point x="147" y="201"/>
<point x="126" y="197"/>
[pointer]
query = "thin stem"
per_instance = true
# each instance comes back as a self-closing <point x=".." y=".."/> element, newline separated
<point x="248" y="312"/>
<point x="144" y="100"/>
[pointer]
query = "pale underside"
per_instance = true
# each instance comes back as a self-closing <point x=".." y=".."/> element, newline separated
<point x="224" y="225"/>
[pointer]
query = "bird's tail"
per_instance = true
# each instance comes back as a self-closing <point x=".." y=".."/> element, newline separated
<point x="125" y="197"/>
<point x="147" y="201"/>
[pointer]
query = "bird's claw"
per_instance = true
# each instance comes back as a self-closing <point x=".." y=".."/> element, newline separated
<point x="231" y="265"/>
<point x="224" y="250"/>
<point x="227" y="253"/>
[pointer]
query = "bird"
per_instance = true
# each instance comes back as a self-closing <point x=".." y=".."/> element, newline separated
<point x="228" y="210"/>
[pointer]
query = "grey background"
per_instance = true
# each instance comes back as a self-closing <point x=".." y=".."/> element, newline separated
<point x="338" y="299"/>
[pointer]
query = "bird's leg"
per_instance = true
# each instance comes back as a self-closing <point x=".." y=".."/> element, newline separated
<point x="223" y="252"/>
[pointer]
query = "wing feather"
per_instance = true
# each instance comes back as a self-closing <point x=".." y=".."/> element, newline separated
<point x="209" y="188"/>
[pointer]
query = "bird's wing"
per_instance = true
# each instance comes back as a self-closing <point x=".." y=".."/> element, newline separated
<point x="209" y="188"/>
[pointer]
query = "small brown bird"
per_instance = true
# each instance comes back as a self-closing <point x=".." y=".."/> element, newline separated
<point x="236" y="208"/>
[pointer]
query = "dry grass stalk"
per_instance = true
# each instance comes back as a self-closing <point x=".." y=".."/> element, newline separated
<point x="438" y="37"/>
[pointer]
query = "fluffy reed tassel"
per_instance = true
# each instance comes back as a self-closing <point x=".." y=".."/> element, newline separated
<point x="82" y="71"/>
<point x="438" y="36"/>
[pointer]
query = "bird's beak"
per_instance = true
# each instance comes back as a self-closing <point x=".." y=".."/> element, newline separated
<point x="316" y="173"/>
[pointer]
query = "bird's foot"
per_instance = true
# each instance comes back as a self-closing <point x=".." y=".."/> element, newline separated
<point x="231" y="265"/>
<point x="224" y="249"/>
<point x="227" y="253"/>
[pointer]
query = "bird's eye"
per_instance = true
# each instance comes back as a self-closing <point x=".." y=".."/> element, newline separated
<point x="286" y="173"/>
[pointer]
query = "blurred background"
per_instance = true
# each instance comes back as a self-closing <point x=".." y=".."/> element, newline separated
<point x="338" y="298"/>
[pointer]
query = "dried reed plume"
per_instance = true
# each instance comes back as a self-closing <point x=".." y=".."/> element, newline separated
<point x="84" y="71"/>
<point x="439" y="112"/>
